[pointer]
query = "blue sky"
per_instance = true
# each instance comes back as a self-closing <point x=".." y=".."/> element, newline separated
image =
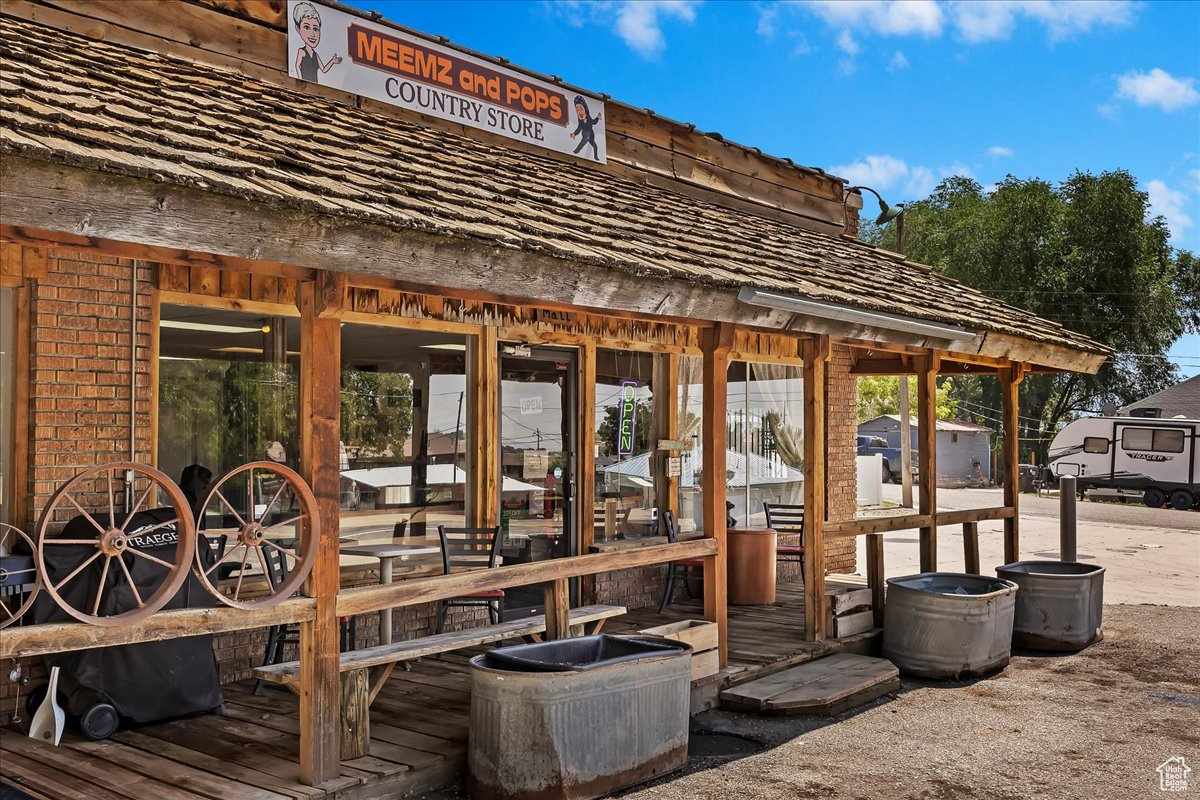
<point x="894" y="95"/>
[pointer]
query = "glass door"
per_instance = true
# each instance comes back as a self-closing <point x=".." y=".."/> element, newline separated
<point x="538" y="401"/>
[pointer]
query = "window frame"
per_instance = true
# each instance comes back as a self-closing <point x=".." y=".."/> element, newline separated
<point x="1088" y="449"/>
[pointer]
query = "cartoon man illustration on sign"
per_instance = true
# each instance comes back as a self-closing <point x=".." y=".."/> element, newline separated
<point x="586" y="125"/>
<point x="308" y="25"/>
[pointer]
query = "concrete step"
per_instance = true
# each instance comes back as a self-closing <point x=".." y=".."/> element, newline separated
<point x="824" y="686"/>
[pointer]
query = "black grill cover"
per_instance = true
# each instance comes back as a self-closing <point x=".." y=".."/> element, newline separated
<point x="145" y="682"/>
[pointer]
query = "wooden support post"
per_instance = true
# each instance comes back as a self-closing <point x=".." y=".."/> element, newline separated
<point x="320" y="415"/>
<point x="816" y="358"/>
<point x="585" y="461"/>
<point x="1010" y="381"/>
<point x="927" y="370"/>
<point x="666" y="426"/>
<point x="483" y="438"/>
<point x="971" y="547"/>
<point x="875" y="575"/>
<point x="356" y="714"/>
<point x="18" y="490"/>
<point x="558" y="609"/>
<point x="717" y="343"/>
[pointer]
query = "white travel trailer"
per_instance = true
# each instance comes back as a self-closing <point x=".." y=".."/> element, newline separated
<point x="1159" y="457"/>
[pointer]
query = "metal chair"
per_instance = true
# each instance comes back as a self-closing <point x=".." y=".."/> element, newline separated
<point x="787" y="520"/>
<point x="471" y="548"/>
<point x="686" y="566"/>
<point x="280" y="635"/>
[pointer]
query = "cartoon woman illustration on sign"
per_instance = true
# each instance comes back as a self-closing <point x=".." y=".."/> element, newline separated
<point x="586" y="127"/>
<point x="308" y="25"/>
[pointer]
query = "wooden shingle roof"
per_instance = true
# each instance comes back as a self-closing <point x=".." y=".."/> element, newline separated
<point x="76" y="101"/>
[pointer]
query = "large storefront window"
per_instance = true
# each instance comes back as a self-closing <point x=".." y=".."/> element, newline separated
<point x="227" y="389"/>
<point x="765" y="439"/>
<point x="691" y="416"/>
<point x="405" y="431"/>
<point x="625" y="444"/>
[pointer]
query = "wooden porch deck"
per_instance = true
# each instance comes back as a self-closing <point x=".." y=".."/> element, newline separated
<point x="418" y="728"/>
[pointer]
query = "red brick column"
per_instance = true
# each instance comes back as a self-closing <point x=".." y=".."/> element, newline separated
<point x="841" y="410"/>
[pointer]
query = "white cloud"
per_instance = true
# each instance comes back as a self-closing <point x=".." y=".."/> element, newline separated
<point x="1000" y="151"/>
<point x="970" y="20"/>
<point x="1157" y="88"/>
<point x="878" y="172"/>
<point x="885" y="173"/>
<point x="767" y="16"/>
<point x="898" y="62"/>
<point x="1170" y="205"/>
<point x="846" y="44"/>
<point x="890" y="17"/>
<point x="637" y="22"/>
<point x="990" y="21"/>
<point x="1194" y="177"/>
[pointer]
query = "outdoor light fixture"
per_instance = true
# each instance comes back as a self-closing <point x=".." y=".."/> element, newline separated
<point x="892" y="322"/>
<point x="886" y="214"/>
<point x="209" y="327"/>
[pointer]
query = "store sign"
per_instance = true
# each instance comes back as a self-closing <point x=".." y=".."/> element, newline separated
<point x="346" y="52"/>
<point x="628" y="417"/>
<point x="536" y="464"/>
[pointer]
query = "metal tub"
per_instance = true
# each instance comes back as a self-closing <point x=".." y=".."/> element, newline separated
<point x="947" y="624"/>
<point x="1060" y="605"/>
<point x="604" y="717"/>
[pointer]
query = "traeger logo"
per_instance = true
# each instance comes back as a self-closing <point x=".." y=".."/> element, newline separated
<point x="157" y="538"/>
<point x="1156" y="457"/>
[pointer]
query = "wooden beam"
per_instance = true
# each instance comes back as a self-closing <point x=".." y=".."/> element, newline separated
<point x="875" y="579"/>
<point x="585" y="460"/>
<point x="320" y="413"/>
<point x="971" y="547"/>
<point x="816" y="359"/>
<point x="365" y="599"/>
<point x="927" y="372"/>
<point x="972" y="515"/>
<point x="483" y="437"/>
<point x="717" y="344"/>
<point x="862" y="527"/>
<point x="557" y="594"/>
<point x="666" y="429"/>
<point x="1010" y="382"/>
<point x="57" y="637"/>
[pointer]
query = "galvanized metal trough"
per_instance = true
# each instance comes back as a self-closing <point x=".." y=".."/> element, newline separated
<point x="577" y="718"/>
<point x="948" y="625"/>
<point x="1060" y="606"/>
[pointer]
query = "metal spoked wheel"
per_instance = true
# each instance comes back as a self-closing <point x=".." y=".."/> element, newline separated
<point x="266" y="517"/>
<point x="107" y="534"/>
<point x="16" y="571"/>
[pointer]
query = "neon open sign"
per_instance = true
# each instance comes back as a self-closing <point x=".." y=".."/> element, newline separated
<point x="628" y="415"/>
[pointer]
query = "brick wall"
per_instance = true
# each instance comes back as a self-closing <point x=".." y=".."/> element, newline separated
<point x="841" y="414"/>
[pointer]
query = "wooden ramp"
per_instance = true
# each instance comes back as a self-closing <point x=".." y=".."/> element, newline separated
<point x="828" y="685"/>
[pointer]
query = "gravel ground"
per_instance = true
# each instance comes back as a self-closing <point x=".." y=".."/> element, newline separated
<point x="1090" y="725"/>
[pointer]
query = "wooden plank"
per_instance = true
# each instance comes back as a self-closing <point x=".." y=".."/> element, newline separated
<point x="841" y="600"/>
<point x="717" y="344"/>
<point x="364" y="599"/>
<point x="483" y="454"/>
<point x="875" y="574"/>
<point x="60" y="784"/>
<point x="972" y="515"/>
<point x="558" y="609"/>
<point x="850" y="624"/>
<point x="200" y="759"/>
<point x="269" y="12"/>
<point x="856" y="679"/>
<point x="174" y="772"/>
<point x="971" y="547"/>
<point x="356" y="715"/>
<point x="229" y="303"/>
<point x="1010" y="382"/>
<point x="816" y="357"/>
<point x="585" y="460"/>
<point x="927" y="370"/>
<point x="320" y="408"/>
<point x="56" y="637"/>
<point x="412" y="649"/>
<point x="666" y="427"/>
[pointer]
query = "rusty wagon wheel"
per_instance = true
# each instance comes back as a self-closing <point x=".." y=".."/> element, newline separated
<point x="278" y="537"/>
<point x="10" y="612"/>
<point x="110" y="535"/>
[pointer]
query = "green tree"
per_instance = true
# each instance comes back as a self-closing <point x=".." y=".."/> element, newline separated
<point x="1083" y="253"/>
<point x="376" y="411"/>
<point x="880" y="394"/>
<point x="607" y="430"/>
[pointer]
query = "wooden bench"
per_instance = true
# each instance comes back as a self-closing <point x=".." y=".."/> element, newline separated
<point x="359" y="689"/>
